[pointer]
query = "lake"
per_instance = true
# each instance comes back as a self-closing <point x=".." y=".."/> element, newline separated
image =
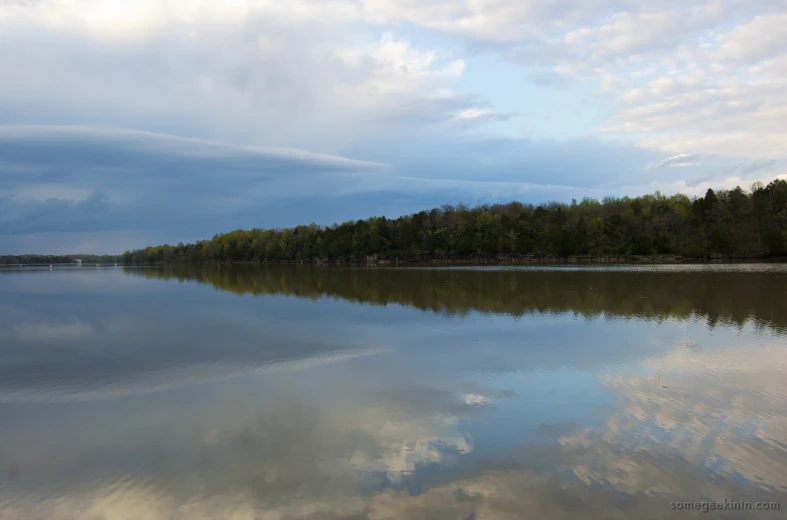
<point x="303" y="392"/>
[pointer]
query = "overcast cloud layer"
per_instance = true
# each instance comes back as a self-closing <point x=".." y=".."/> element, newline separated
<point x="129" y="123"/>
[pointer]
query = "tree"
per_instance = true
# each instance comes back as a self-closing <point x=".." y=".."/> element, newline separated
<point x="730" y="223"/>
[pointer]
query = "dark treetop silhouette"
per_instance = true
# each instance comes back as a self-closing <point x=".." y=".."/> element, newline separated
<point x="725" y="223"/>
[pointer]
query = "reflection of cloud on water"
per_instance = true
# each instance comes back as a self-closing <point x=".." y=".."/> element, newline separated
<point x="724" y="409"/>
<point x="493" y="494"/>
<point x="403" y="445"/>
<point x="475" y="399"/>
<point x="294" y="461"/>
<point x="166" y="379"/>
<point x="48" y="332"/>
<point x="690" y="422"/>
<point x="287" y="460"/>
<point x="84" y="353"/>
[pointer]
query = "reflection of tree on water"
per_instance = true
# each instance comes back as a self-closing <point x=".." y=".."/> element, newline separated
<point x="718" y="296"/>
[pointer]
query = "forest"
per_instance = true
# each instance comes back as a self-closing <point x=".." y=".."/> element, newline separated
<point x="734" y="224"/>
<point x="728" y="224"/>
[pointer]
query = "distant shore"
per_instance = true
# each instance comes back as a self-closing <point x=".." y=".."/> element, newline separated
<point x="545" y="260"/>
<point x="393" y="262"/>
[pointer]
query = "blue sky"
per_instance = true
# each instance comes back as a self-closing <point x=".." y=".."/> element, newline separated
<point x="124" y="124"/>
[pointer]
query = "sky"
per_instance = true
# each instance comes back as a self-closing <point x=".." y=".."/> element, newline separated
<point x="126" y="124"/>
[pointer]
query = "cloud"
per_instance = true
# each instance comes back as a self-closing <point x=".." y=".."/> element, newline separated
<point x="471" y="117"/>
<point x="40" y="148"/>
<point x="67" y="188"/>
<point x="76" y="179"/>
<point x="720" y="91"/>
<point x="679" y="161"/>
<point x="110" y="174"/>
<point x="506" y="21"/>
<point x="214" y="94"/>
<point x="756" y="166"/>
<point x="678" y="75"/>
<point x="301" y="76"/>
<point x="707" y="76"/>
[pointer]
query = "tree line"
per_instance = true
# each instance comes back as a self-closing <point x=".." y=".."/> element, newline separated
<point x="735" y="223"/>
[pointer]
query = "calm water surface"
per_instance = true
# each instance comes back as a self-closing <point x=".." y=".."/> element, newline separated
<point x="325" y="393"/>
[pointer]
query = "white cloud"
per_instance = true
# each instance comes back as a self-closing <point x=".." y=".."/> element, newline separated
<point x="345" y="77"/>
<point x="471" y="117"/>
<point x="507" y="21"/>
<point x="398" y="66"/>
<point x="114" y="20"/>
<point x="761" y="38"/>
<point x="299" y="74"/>
<point x="710" y="88"/>
<point x="704" y="75"/>
<point x="679" y="161"/>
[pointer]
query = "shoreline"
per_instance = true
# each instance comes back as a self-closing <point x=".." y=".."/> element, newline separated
<point x="574" y="260"/>
<point x="437" y="262"/>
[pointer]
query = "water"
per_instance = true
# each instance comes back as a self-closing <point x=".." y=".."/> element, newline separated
<point x="288" y="392"/>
